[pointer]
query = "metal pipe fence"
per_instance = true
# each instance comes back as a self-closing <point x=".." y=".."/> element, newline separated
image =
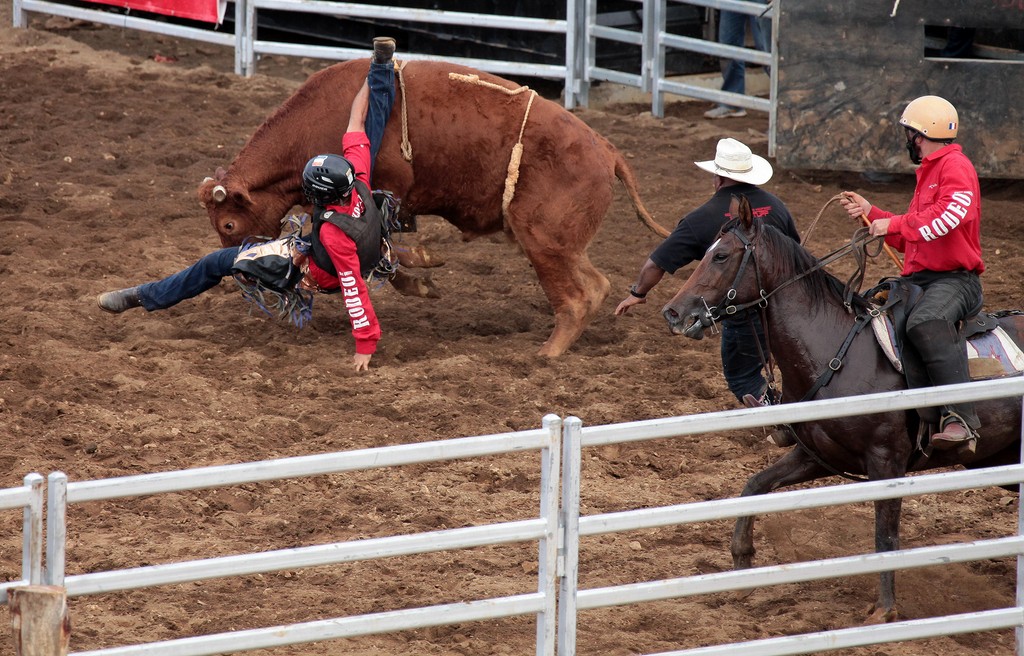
<point x="542" y="529"/>
<point x="572" y="599"/>
<point x="582" y="29"/>
<point x="28" y="498"/>
<point x="249" y="47"/>
<point x="557" y="530"/>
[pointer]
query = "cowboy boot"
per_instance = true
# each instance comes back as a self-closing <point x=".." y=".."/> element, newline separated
<point x="954" y="434"/>
<point x="118" y="301"/>
<point x="383" y="49"/>
<point x="945" y="360"/>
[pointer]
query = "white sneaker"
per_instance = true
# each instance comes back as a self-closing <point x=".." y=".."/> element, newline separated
<point x="725" y="112"/>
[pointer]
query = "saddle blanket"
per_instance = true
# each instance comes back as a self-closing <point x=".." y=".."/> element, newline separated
<point x="989" y="355"/>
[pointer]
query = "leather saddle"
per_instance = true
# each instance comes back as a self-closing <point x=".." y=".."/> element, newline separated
<point x="991" y="352"/>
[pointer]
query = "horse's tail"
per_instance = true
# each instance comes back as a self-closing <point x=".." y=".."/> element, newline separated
<point x="625" y="175"/>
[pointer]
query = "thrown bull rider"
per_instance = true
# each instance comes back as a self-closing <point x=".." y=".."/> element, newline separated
<point x="347" y="245"/>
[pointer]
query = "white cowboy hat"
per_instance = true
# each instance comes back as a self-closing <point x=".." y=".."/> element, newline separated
<point x="734" y="160"/>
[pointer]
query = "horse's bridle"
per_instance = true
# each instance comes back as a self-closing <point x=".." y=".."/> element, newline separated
<point x="856" y="246"/>
<point x="730" y="307"/>
<point x="715" y="312"/>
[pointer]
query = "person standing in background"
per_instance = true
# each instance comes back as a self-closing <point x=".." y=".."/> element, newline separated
<point x="732" y="31"/>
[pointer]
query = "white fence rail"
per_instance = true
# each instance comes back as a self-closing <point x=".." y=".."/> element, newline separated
<point x="542" y="529"/>
<point x="28" y="498"/>
<point x="572" y="599"/>
<point x="581" y="27"/>
<point x="248" y="47"/>
<point x="557" y="530"/>
<point x="253" y="46"/>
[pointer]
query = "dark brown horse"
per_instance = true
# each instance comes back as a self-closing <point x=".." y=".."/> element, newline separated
<point x="807" y="323"/>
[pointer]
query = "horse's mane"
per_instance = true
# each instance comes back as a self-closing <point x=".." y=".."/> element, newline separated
<point x="793" y="260"/>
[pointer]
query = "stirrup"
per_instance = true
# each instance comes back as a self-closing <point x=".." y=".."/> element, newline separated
<point x="959" y="435"/>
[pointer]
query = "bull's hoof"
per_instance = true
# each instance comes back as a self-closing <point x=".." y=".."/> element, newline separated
<point x="552" y="349"/>
<point x="407" y="285"/>
<point x="417" y="257"/>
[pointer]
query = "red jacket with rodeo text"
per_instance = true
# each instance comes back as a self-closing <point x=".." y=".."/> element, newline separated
<point x="941" y="230"/>
<point x="342" y="250"/>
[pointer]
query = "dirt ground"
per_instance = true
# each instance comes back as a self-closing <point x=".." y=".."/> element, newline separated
<point x="105" y="135"/>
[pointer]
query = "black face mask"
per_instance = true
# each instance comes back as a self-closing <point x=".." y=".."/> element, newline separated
<point x="915" y="154"/>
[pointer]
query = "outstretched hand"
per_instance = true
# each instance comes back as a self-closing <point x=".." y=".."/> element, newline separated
<point x="627" y="303"/>
<point x="362" y="361"/>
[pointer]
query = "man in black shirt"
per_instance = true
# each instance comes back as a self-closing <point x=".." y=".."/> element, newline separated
<point x="736" y="171"/>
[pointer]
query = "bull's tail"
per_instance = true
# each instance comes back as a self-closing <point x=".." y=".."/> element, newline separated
<point x="625" y="175"/>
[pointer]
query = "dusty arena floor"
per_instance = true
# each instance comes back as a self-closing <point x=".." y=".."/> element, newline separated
<point x="104" y="137"/>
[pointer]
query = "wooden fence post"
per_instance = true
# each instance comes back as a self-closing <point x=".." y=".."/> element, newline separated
<point x="40" y="621"/>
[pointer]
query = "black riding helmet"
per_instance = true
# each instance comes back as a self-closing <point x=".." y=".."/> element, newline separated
<point x="326" y="179"/>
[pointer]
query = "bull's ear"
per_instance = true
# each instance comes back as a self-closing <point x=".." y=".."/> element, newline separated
<point x="240" y="197"/>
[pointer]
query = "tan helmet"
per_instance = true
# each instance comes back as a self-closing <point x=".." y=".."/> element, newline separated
<point x="932" y="116"/>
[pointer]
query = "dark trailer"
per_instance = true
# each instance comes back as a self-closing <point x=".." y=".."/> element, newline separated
<point x="847" y="70"/>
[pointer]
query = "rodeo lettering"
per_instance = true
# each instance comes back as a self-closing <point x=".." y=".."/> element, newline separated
<point x="949" y="219"/>
<point x="354" y="304"/>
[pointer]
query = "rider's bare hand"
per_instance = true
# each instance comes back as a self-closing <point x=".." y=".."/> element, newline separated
<point x="361" y="361"/>
<point x="854" y="204"/>
<point x="627" y="303"/>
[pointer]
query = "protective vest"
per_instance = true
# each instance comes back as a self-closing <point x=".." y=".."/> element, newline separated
<point x="365" y="231"/>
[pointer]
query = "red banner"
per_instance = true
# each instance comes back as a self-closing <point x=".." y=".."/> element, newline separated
<point x="209" y="11"/>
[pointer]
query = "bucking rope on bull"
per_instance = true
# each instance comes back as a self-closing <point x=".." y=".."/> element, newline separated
<point x="517" y="150"/>
<point x="515" y="159"/>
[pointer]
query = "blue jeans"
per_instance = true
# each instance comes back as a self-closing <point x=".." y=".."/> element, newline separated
<point x="381" y="79"/>
<point x="732" y="31"/>
<point x="741" y="360"/>
<point x="187" y="283"/>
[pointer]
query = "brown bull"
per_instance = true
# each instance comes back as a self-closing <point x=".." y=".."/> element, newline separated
<point x="462" y="136"/>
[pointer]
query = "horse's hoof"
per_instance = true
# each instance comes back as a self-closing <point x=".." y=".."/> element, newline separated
<point x="782" y="436"/>
<point x="881" y="615"/>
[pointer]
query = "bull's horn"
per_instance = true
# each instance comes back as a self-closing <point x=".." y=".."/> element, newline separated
<point x="207" y="179"/>
<point x="220" y="193"/>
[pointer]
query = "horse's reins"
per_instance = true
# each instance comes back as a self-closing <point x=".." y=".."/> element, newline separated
<point x="856" y="246"/>
<point x="888" y="249"/>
